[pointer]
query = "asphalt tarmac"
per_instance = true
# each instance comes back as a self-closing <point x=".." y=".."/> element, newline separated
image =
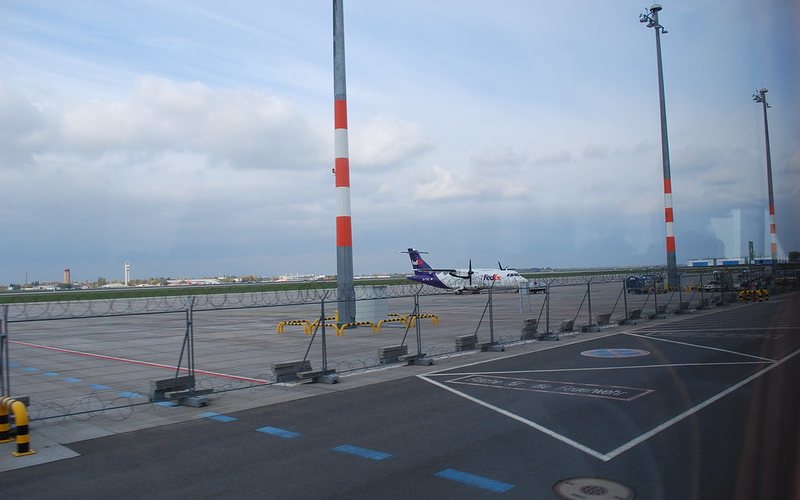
<point x="698" y="406"/>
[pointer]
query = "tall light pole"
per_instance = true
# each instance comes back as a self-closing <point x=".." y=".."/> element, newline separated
<point x="344" y="231"/>
<point x="651" y="18"/>
<point x="761" y="97"/>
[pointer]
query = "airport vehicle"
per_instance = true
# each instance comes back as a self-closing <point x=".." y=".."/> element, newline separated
<point x="464" y="280"/>
<point x="644" y="283"/>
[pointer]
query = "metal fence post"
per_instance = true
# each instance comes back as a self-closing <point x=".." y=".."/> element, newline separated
<point x="547" y="309"/>
<point x="418" y="326"/>
<point x="589" y="298"/>
<point x="655" y="298"/>
<point x="189" y="342"/>
<point x="5" y="378"/>
<point x="625" y="294"/>
<point x="491" y="316"/>
<point x="324" y="343"/>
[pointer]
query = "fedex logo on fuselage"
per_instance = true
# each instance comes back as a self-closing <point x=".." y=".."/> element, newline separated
<point x="492" y="277"/>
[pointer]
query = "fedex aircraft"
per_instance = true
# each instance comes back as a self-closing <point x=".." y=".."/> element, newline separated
<point x="463" y="280"/>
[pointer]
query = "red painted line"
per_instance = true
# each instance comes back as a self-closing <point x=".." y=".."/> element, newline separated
<point x="137" y="362"/>
<point x="667" y="186"/>
<point x="668" y="215"/>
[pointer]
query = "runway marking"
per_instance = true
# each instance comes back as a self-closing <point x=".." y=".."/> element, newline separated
<point x="755" y="328"/>
<point x="137" y="362"/>
<point x="362" y="452"/>
<point x="596" y="368"/>
<point x="99" y="387"/>
<point x="691" y="411"/>
<point x="130" y="395"/>
<point x="473" y="480"/>
<point x="217" y="417"/>
<point x="615" y="392"/>
<point x="605" y="457"/>
<point x="282" y="433"/>
<point x="714" y="334"/>
<point x="518" y="418"/>
<point x="615" y="353"/>
<point x="700" y="346"/>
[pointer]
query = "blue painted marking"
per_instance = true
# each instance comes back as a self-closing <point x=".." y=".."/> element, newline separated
<point x="128" y="394"/>
<point x="30" y="369"/>
<point x="13" y="364"/>
<point x="50" y="374"/>
<point x="216" y="416"/>
<point x="72" y="380"/>
<point x="99" y="387"/>
<point x="615" y="353"/>
<point x="362" y="452"/>
<point x="167" y="404"/>
<point x="279" y="432"/>
<point x="473" y="480"/>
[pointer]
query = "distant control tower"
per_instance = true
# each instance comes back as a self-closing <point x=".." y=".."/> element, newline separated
<point x="127" y="273"/>
<point x="67" y="276"/>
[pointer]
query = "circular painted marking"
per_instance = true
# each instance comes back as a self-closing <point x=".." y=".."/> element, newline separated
<point x="615" y="353"/>
<point x="592" y="488"/>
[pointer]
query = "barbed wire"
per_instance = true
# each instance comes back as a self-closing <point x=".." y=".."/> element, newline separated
<point x="304" y="295"/>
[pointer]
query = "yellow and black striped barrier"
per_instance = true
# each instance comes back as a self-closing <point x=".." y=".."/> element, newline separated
<point x="307" y="325"/>
<point x="434" y="318"/>
<point x="758" y="295"/>
<point x="21" y="420"/>
<point x="340" y="328"/>
<point x="395" y="318"/>
<point x="295" y="322"/>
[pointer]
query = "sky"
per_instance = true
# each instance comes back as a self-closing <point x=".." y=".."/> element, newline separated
<point x="195" y="138"/>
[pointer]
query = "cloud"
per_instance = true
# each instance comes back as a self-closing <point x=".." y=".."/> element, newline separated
<point x="386" y="141"/>
<point x="232" y="128"/>
<point x="23" y="128"/>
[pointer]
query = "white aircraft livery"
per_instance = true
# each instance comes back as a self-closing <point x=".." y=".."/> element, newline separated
<point x="464" y="280"/>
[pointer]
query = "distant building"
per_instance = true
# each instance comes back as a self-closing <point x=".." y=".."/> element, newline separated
<point x="192" y="281"/>
<point x="67" y="276"/>
<point x="736" y="230"/>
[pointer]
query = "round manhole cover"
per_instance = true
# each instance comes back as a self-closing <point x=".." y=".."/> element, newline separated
<point x="592" y="488"/>
<point x="615" y="353"/>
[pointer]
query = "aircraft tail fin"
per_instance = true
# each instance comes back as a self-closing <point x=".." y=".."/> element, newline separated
<point x="416" y="260"/>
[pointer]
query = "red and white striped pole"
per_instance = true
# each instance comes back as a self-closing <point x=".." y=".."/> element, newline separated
<point x="670" y="224"/>
<point x="760" y="96"/>
<point x="344" y="231"/>
<point x="673" y="278"/>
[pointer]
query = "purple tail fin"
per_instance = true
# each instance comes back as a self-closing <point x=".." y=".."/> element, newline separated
<point x="416" y="261"/>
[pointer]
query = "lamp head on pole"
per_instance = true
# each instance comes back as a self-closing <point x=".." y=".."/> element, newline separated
<point x="651" y="18"/>
<point x="760" y="96"/>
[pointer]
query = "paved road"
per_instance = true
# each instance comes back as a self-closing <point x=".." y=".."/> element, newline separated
<point x="702" y="406"/>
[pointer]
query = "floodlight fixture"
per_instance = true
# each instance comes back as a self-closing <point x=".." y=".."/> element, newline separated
<point x="760" y="96"/>
<point x="651" y="18"/>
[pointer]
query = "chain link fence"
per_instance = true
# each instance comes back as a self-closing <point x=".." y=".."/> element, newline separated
<point x="88" y="358"/>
